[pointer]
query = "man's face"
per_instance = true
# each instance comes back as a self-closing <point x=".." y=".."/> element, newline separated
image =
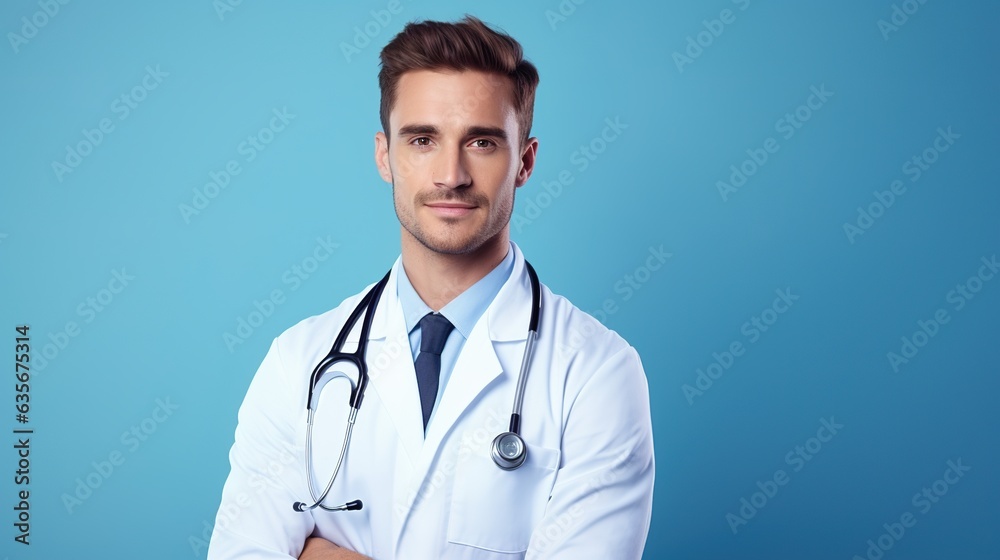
<point x="454" y="159"/>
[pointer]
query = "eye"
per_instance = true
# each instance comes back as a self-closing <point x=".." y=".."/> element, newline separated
<point x="484" y="143"/>
<point x="419" y="141"/>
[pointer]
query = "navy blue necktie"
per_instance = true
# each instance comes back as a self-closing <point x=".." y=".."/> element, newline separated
<point x="434" y="331"/>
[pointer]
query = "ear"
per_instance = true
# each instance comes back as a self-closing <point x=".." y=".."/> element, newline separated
<point x="382" y="157"/>
<point x="528" y="156"/>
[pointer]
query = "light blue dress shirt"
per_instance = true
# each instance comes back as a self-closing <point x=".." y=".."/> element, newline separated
<point x="463" y="312"/>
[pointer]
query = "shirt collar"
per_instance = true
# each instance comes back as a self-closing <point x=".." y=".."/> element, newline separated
<point x="463" y="311"/>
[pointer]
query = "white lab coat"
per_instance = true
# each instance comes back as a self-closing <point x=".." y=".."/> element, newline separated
<point x="585" y="490"/>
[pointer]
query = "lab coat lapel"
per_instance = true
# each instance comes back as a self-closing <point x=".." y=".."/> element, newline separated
<point x="478" y="365"/>
<point x="390" y="369"/>
<point x="475" y="368"/>
<point x="394" y="379"/>
<point x="505" y="320"/>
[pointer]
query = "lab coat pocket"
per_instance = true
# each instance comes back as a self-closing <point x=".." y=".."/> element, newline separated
<point x="497" y="510"/>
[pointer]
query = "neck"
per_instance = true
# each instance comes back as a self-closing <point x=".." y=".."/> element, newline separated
<point x="439" y="278"/>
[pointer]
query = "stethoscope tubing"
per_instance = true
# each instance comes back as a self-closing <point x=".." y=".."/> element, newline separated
<point x="318" y="501"/>
<point x="368" y="304"/>
<point x="529" y="346"/>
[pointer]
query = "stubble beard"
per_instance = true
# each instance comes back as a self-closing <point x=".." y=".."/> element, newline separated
<point x="454" y="244"/>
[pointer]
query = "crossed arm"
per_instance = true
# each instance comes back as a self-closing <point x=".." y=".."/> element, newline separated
<point x="322" y="549"/>
<point x="600" y="502"/>
<point x="602" y="498"/>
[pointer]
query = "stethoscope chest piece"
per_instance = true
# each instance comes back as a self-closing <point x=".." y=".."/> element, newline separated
<point x="508" y="451"/>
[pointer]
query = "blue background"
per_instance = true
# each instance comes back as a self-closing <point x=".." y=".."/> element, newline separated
<point x="689" y="120"/>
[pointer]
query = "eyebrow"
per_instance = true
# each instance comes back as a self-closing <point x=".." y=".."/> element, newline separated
<point x="490" y="131"/>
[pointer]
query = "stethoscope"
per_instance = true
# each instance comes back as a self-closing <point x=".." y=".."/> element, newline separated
<point x="508" y="449"/>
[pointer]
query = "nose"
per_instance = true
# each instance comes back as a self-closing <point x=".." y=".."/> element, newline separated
<point x="450" y="169"/>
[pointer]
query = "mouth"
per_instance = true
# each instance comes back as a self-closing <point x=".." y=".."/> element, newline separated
<point x="451" y="209"/>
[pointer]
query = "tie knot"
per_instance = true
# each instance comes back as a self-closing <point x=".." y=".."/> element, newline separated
<point x="434" y="331"/>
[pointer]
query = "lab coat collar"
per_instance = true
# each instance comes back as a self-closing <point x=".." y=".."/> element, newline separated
<point x="507" y="316"/>
<point x="393" y="376"/>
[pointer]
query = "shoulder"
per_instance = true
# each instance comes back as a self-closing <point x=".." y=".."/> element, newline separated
<point x="577" y="338"/>
<point x="594" y="371"/>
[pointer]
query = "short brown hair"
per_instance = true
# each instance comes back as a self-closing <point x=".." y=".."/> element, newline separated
<point x="466" y="45"/>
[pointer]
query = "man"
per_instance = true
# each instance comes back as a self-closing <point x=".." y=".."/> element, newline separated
<point x="457" y="102"/>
